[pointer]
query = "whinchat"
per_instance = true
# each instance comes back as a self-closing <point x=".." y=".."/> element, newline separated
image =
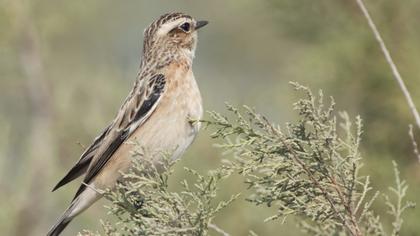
<point x="156" y="114"/>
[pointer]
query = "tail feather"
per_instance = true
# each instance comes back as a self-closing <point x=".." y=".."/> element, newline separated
<point x="77" y="206"/>
<point x="62" y="222"/>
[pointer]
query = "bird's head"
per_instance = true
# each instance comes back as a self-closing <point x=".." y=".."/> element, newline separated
<point x="172" y="34"/>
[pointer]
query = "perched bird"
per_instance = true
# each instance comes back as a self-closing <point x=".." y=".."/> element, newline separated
<point x="156" y="113"/>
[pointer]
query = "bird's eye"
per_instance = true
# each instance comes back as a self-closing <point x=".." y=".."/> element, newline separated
<point x="185" y="27"/>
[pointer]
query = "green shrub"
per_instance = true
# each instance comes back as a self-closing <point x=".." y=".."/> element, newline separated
<point x="309" y="169"/>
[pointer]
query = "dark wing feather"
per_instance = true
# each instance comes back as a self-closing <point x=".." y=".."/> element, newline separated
<point x="83" y="163"/>
<point x="120" y="134"/>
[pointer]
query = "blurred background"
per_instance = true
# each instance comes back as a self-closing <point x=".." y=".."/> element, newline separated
<point x="66" y="66"/>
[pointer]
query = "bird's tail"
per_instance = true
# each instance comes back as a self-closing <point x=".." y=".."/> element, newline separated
<point x="62" y="222"/>
<point x="77" y="206"/>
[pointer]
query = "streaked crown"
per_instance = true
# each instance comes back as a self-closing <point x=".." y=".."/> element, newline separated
<point x="171" y="35"/>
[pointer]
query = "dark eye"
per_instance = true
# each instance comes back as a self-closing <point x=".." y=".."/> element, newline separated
<point x="185" y="27"/>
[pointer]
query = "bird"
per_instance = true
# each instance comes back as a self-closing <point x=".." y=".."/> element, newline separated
<point x="156" y="114"/>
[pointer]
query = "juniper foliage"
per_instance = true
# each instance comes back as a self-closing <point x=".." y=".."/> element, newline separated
<point x="143" y="204"/>
<point x="310" y="169"/>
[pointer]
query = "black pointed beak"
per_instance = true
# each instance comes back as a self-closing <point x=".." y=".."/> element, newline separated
<point x="200" y="24"/>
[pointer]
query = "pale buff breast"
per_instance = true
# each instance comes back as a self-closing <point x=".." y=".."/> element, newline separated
<point x="167" y="130"/>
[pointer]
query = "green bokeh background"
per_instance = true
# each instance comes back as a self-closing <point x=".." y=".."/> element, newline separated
<point x="66" y="66"/>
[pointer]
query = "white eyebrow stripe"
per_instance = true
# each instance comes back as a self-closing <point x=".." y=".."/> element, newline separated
<point x="165" y="28"/>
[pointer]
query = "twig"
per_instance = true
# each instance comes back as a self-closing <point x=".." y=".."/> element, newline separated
<point x="81" y="145"/>
<point x="413" y="141"/>
<point x="391" y="63"/>
<point x="93" y="188"/>
<point x="217" y="229"/>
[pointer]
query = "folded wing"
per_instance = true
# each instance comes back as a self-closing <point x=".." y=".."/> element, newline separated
<point x="134" y="112"/>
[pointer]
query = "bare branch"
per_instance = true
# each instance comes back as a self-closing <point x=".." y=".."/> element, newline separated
<point x="390" y="62"/>
<point x="413" y="141"/>
<point x="218" y="230"/>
